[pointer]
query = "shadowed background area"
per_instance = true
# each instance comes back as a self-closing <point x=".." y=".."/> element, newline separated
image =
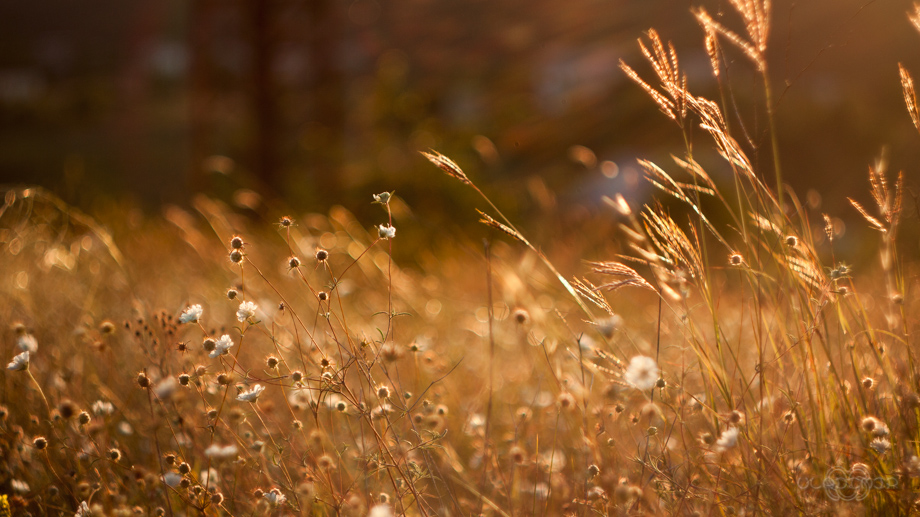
<point x="321" y="102"/>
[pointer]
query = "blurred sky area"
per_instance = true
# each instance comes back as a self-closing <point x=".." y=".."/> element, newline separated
<point x="322" y="102"/>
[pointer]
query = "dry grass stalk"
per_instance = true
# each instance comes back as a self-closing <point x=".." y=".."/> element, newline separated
<point x="914" y="16"/>
<point x="910" y="96"/>
<point x="489" y="221"/>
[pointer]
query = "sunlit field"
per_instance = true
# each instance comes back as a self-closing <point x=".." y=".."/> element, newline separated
<point x="724" y="359"/>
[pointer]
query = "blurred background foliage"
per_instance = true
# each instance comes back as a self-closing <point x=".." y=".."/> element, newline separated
<point x="300" y="105"/>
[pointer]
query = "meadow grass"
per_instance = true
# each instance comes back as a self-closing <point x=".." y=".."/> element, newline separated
<point x="207" y="363"/>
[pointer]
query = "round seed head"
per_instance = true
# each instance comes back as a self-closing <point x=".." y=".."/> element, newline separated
<point x="236" y="256"/>
<point x="321" y="255"/>
<point x="294" y="262"/>
<point x="142" y="380"/>
<point x="40" y="442"/>
<point x="236" y="242"/>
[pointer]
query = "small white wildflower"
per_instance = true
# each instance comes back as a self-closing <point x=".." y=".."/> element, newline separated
<point x="251" y="395"/>
<point x="209" y="477"/>
<point x="83" y="510"/>
<point x="274" y="497"/>
<point x="165" y="388"/>
<point x="221" y="452"/>
<point x="191" y="314"/>
<point x="20" y="487"/>
<point x="382" y="198"/>
<point x="386" y="232"/>
<point x="381" y="510"/>
<point x="246" y="311"/>
<point x="880" y="445"/>
<point x="103" y="408"/>
<point x="27" y="343"/>
<point x="223" y="345"/>
<point x="642" y="372"/>
<point x="728" y="439"/>
<point x="19" y="363"/>
<point x="172" y="479"/>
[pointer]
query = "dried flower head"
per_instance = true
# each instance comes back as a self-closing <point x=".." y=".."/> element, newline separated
<point x="792" y="241"/>
<point x="322" y="295"/>
<point x="236" y="256"/>
<point x="735" y="259"/>
<point x="286" y="222"/>
<point x="869" y="424"/>
<point x="293" y="262"/>
<point x="236" y="242"/>
<point x="231" y="294"/>
<point x="184" y="379"/>
<point x="40" y="442"/>
<point x="383" y="392"/>
<point x="321" y="255"/>
<point x="84" y="418"/>
<point x="114" y="454"/>
<point x="142" y="380"/>
<point x="271" y="362"/>
<point x="521" y="316"/>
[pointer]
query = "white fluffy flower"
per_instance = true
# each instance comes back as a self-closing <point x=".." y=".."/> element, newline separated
<point x="191" y="314"/>
<point x="880" y="445"/>
<point x="221" y="452"/>
<point x="381" y="510"/>
<point x="224" y="344"/>
<point x="642" y="372"/>
<point x="27" y="343"/>
<point x="20" y="487"/>
<point x="251" y="395"/>
<point x="103" y="408"/>
<point x="274" y="497"/>
<point x="246" y="311"/>
<point x="386" y="232"/>
<point x="728" y="439"/>
<point x="19" y="363"/>
<point x="83" y="510"/>
<point x="172" y="479"/>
